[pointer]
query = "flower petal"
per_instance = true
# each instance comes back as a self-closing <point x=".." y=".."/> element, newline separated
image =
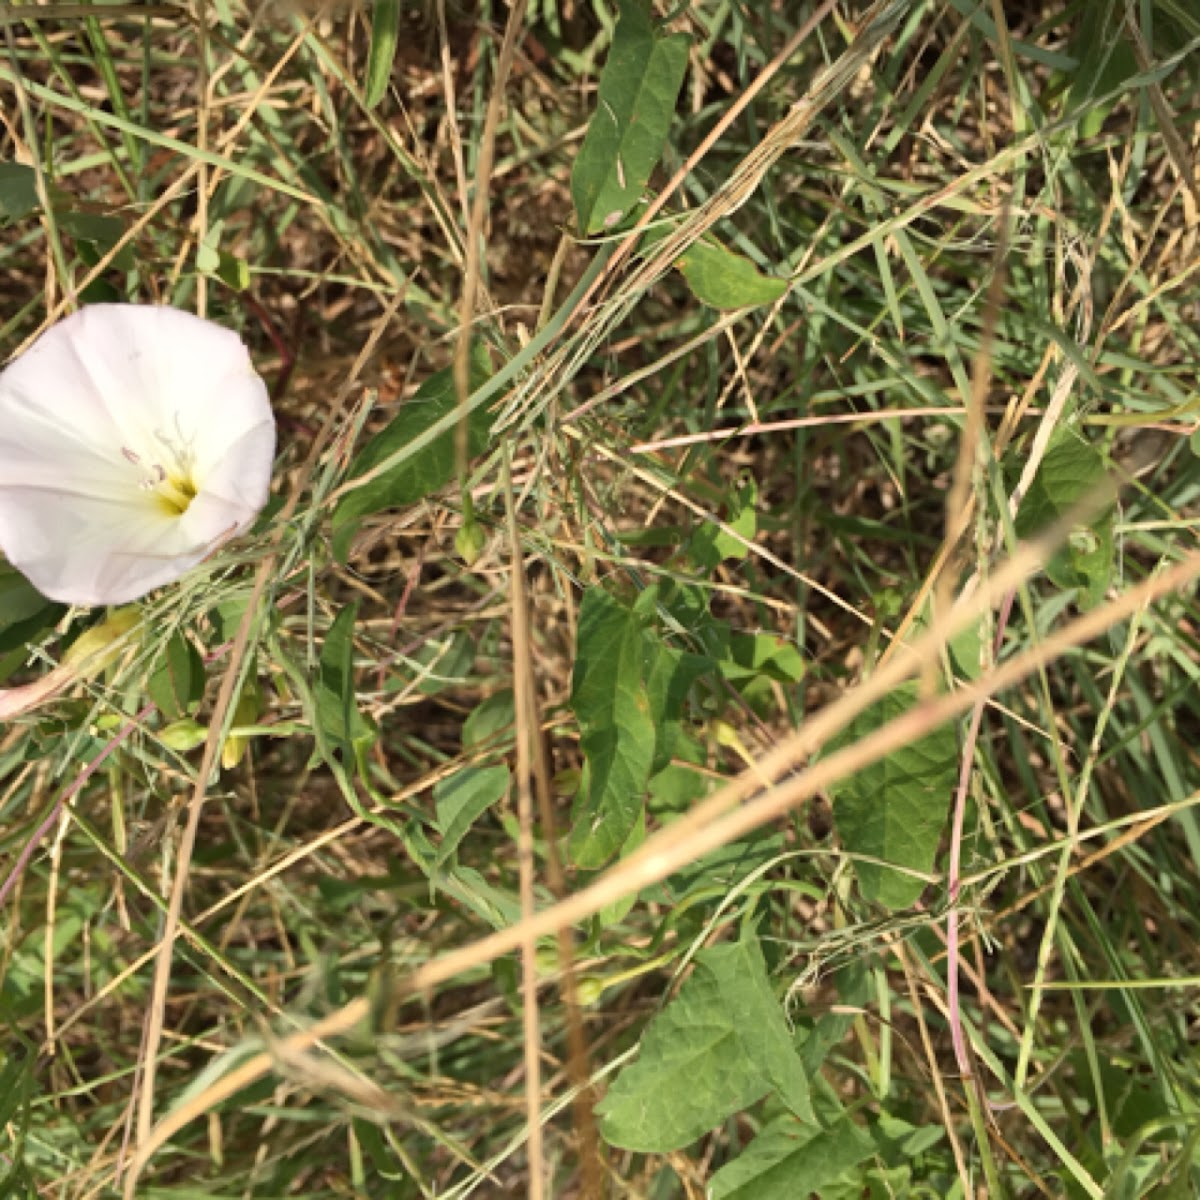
<point x="103" y="407"/>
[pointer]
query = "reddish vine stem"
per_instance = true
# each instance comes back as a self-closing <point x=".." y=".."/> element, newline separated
<point x="955" y="872"/>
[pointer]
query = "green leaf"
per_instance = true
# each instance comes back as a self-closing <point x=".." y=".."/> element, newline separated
<point x="385" y="30"/>
<point x="688" y="1077"/>
<point x="18" y="191"/>
<point x="717" y="276"/>
<point x="1105" y="60"/>
<point x="212" y="260"/>
<point x="208" y="251"/>
<point x="625" y="138"/>
<point x="720" y="871"/>
<point x="763" y="1034"/>
<point x="462" y="799"/>
<point x="613" y="913"/>
<point x="677" y="785"/>
<point x="491" y="722"/>
<point x="894" y="810"/>
<point x="24" y="611"/>
<point x="95" y="235"/>
<point x="609" y="699"/>
<point x="676" y="788"/>
<point x="854" y="993"/>
<point x="1070" y="470"/>
<point x="177" y="681"/>
<point x="500" y="909"/>
<point x="182" y="736"/>
<point x="342" y="733"/>
<point x="789" y="1159"/>
<point x="722" y="279"/>
<point x="669" y="675"/>
<point x="233" y="271"/>
<point x="712" y="545"/>
<point x="898" y="1141"/>
<point x="755" y="654"/>
<point x="420" y="475"/>
<point x="718" y="1047"/>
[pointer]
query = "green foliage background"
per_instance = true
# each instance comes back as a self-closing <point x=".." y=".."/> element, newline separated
<point x="744" y="286"/>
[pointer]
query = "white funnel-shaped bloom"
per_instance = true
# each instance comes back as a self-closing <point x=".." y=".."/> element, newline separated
<point x="134" y="439"/>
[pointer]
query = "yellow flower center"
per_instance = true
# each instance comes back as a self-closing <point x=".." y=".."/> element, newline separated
<point x="175" y="494"/>
<point x="173" y="491"/>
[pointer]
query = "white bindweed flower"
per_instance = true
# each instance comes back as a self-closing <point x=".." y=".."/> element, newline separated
<point x="134" y="440"/>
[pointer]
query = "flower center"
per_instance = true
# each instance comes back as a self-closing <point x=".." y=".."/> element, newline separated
<point x="173" y="491"/>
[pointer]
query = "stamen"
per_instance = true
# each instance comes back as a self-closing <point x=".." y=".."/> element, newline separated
<point x="174" y="487"/>
<point x="175" y="495"/>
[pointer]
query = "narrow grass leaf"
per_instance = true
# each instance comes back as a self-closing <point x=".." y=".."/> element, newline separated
<point x="1105" y="60"/>
<point x="894" y="810"/>
<point x="341" y="730"/>
<point x="385" y="29"/>
<point x="625" y="138"/>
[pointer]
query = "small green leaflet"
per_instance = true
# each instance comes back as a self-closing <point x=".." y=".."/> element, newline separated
<point x="894" y="809"/>
<point x="182" y="736"/>
<point x="385" y="29"/>
<point x="718" y="277"/>
<point x="212" y="260"/>
<point x="462" y="799"/>
<point x="722" y="279"/>
<point x="1070" y="470"/>
<point x="711" y="545"/>
<point x="177" y="681"/>
<point x="422" y="473"/>
<point x="491" y="724"/>
<point x="343" y="733"/>
<point x="669" y="675"/>
<point x="625" y="138"/>
<point x="18" y="191"/>
<point x="718" y="1047"/>
<point x="790" y="1159"/>
<point x="95" y="235"/>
